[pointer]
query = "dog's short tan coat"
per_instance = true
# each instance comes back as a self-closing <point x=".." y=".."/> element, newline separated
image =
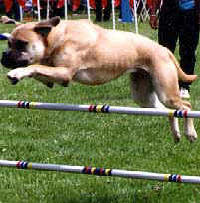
<point x="64" y="51"/>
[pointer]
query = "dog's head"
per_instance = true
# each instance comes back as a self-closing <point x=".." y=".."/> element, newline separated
<point x="27" y="43"/>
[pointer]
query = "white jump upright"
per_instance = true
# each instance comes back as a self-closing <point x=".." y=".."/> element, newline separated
<point x="101" y="171"/>
<point x="66" y="10"/>
<point x="38" y="9"/>
<point x="48" y="7"/>
<point x="100" y="109"/>
<point x="135" y="17"/>
<point x="113" y="14"/>
<point x="88" y="9"/>
<point x="21" y="13"/>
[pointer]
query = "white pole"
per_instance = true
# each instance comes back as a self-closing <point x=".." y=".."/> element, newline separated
<point x="38" y="6"/>
<point x="88" y="9"/>
<point x="113" y="13"/>
<point x="135" y="16"/>
<point x="21" y="13"/>
<point x="66" y="9"/>
<point x="100" y="109"/>
<point x="101" y="171"/>
<point x="47" y="9"/>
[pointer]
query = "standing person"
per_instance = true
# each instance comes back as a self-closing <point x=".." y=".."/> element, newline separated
<point x="106" y="11"/>
<point x="178" y="19"/>
<point x="15" y="11"/>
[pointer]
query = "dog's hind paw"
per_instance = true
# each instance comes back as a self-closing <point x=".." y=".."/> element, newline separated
<point x="192" y="136"/>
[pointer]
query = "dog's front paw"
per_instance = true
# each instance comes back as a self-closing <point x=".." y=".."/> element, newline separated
<point x="65" y="84"/>
<point x="50" y="84"/>
<point x="13" y="80"/>
<point x="17" y="74"/>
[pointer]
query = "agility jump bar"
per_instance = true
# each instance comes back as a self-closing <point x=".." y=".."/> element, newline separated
<point x="100" y="109"/>
<point x="101" y="171"/>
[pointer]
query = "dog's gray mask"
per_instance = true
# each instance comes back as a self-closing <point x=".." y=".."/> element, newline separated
<point x="16" y="55"/>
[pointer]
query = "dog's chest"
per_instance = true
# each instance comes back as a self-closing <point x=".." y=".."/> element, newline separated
<point x="96" y="76"/>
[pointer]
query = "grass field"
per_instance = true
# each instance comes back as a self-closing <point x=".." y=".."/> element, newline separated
<point x="110" y="141"/>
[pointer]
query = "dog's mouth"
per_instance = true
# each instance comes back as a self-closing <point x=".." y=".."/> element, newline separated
<point x="14" y="59"/>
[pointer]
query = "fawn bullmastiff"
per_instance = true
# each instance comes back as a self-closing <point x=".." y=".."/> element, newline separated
<point x="56" y="51"/>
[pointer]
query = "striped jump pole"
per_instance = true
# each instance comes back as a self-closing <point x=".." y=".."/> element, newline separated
<point x="101" y="171"/>
<point x="100" y="109"/>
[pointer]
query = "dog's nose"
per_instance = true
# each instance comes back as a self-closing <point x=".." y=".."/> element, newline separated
<point x="13" y="59"/>
<point x="4" y="58"/>
<point x="4" y="53"/>
<point x="7" y="60"/>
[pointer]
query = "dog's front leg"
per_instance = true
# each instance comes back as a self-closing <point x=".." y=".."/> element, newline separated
<point x="60" y="75"/>
<point x="20" y="73"/>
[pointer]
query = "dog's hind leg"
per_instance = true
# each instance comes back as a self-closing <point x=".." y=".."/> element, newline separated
<point x="145" y="96"/>
<point x="167" y="90"/>
<point x="189" y="129"/>
<point x="142" y="90"/>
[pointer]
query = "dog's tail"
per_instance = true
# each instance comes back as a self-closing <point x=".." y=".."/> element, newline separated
<point x="181" y="75"/>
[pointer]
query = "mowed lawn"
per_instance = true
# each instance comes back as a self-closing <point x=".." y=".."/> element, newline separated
<point x="101" y="140"/>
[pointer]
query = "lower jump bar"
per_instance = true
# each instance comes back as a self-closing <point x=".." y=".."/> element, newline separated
<point x="100" y="109"/>
<point x="101" y="171"/>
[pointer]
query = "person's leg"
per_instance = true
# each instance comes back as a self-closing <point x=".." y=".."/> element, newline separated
<point x="107" y="11"/>
<point x="16" y="10"/>
<point x="168" y="30"/>
<point x="98" y="10"/>
<point x="188" y="41"/>
<point x="168" y="34"/>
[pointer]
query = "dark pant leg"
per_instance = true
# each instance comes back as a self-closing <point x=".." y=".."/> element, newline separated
<point x="16" y="10"/>
<point x="188" y="41"/>
<point x="107" y="11"/>
<point x="168" y="30"/>
<point x="98" y="10"/>
<point x="9" y="14"/>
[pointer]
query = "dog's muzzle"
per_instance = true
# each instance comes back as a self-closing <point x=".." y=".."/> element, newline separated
<point x="13" y="60"/>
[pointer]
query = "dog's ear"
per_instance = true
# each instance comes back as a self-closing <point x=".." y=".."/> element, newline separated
<point x="44" y="28"/>
<point x="54" y="21"/>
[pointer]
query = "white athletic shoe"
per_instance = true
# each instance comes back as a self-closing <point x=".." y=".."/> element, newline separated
<point x="184" y="93"/>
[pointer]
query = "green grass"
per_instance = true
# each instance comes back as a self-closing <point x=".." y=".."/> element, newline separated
<point x="73" y="138"/>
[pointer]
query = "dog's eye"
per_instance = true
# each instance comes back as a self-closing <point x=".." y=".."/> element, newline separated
<point x="20" y="45"/>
